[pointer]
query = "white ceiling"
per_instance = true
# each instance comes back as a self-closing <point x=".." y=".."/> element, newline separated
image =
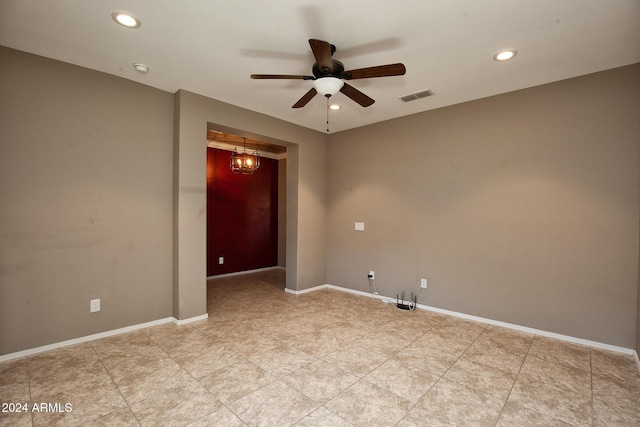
<point x="211" y="47"/>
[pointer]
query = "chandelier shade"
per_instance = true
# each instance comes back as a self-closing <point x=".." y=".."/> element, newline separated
<point x="244" y="161"/>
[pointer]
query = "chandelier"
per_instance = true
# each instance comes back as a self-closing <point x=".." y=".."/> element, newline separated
<point x="244" y="161"/>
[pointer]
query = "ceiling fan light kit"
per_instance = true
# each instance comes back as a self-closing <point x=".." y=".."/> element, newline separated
<point x="328" y="86"/>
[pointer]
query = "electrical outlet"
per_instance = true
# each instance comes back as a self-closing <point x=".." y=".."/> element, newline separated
<point x="372" y="274"/>
<point x="220" y="260"/>
<point x="94" y="305"/>
<point x="423" y="283"/>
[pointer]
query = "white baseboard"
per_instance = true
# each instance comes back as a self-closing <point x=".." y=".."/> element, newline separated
<point x="240" y="273"/>
<point x="180" y="322"/>
<point x="526" y="329"/>
<point x="304" y="291"/>
<point x="98" y="336"/>
<point x="190" y="320"/>
<point x="561" y="337"/>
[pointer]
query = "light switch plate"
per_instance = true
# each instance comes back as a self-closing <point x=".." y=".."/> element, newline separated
<point x="359" y="226"/>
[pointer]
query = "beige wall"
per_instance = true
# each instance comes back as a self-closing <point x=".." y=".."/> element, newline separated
<point x="85" y="201"/>
<point x="521" y="208"/>
<point x="282" y="213"/>
<point x="305" y="195"/>
<point x="103" y="185"/>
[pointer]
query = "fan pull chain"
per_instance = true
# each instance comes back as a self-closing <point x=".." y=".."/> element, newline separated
<point x="327" y="114"/>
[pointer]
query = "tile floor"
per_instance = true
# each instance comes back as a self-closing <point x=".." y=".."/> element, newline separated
<point x="326" y="358"/>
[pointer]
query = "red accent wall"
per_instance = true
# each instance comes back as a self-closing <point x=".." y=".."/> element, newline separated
<point x="242" y="215"/>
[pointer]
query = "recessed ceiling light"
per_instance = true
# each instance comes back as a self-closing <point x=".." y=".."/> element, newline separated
<point x="335" y="107"/>
<point x="125" y="19"/>
<point x="140" y="67"/>
<point x="505" y="55"/>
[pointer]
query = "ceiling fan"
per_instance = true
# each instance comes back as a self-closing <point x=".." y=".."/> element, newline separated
<point x="329" y="75"/>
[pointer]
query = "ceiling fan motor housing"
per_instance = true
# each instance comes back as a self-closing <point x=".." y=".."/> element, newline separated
<point x="338" y="69"/>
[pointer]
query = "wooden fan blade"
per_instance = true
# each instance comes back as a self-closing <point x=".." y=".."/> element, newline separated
<point x="356" y="95"/>
<point x="379" y="71"/>
<point x="305" y="98"/>
<point x="322" y="53"/>
<point x="281" y="76"/>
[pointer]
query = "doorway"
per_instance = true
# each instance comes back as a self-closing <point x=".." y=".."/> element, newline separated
<point x="246" y="218"/>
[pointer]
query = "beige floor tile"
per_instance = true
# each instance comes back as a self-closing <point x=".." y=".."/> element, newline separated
<point x="62" y="360"/>
<point x="276" y="404"/>
<point x="483" y="378"/>
<point x="223" y="331"/>
<point x="442" y="339"/>
<point x="620" y="366"/>
<point x="289" y="330"/>
<point x="515" y="416"/>
<point x="516" y="337"/>
<point x="320" y="381"/>
<point x="15" y="419"/>
<point x="507" y="340"/>
<point x="576" y="355"/>
<point x="364" y="404"/>
<point x="89" y="399"/>
<point x="222" y="417"/>
<point x="385" y="343"/>
<point x="322" y="417"/>
<point x="139" y="339"/>
<point x="235" y="382"/>
<point x="420" y="354"/>
<point x="86" y="373"/>
<point x="355" y="359"/>
<point x="165" y="329"/>
<point x="120" y="418"/>
<point x="144" y="384"/>
<point x="551" y="399"/>
<point x="139" y="360"/>
<point x="403" y="380"/>
<point x="187" y="341"/>
<point x="419" y="321"/>
<point x="282" y="360"/>
<point x="14" y="381"/>
<point x="253" y="344"/>
<point x="342" y="359"/>
<point x="212" y="359"/>
<point x="13" y="371"/>
<point x="403" y="330"/>
<point x="348" y="330"/>
<point x="463" y="328"/>
<point x="449" y="403"/>
<point x="607" y="413"/>
<point x="611" y="389"/>
<point x="176" y="406"/>
<point x="576" y="380"/>
<point x="319" y="343"/>
<point x="490" y="353"/>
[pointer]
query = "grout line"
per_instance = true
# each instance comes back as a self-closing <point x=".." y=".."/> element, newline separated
<point x="29" y="382"/>
<point x="516" y="379"/>
<point x="115" y="385"/>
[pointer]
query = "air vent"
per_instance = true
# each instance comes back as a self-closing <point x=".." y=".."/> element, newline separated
<point x="417" y="95"/>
